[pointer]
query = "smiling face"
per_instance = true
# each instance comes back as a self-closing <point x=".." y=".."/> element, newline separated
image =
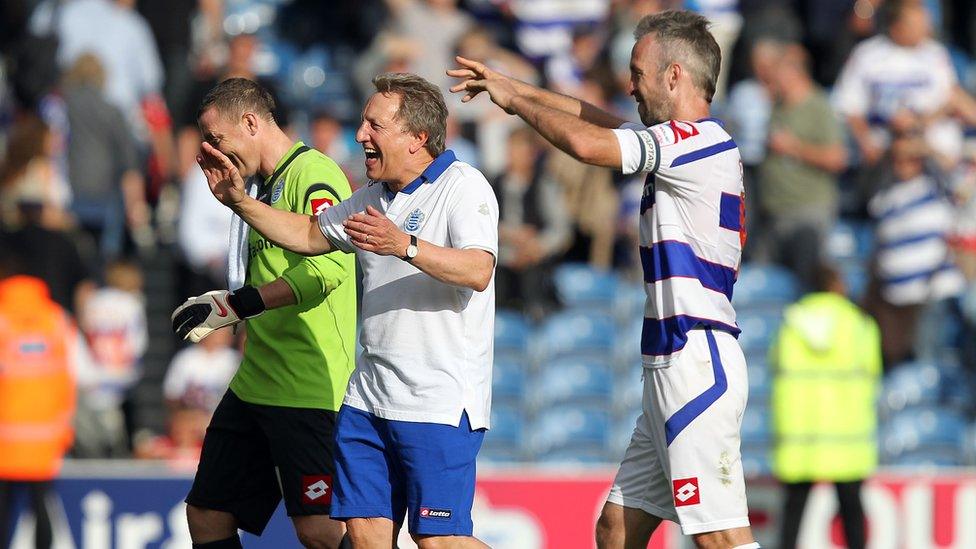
<point x="649" y="84"/>
<point x="386" y="143"/>
<point x="234" y="138"/>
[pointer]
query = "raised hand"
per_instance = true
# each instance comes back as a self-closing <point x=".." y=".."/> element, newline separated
<point x="224" y="179"/>
<point x="476" y="78"/>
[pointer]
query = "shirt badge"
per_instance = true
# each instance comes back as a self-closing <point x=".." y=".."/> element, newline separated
<point x="414" y="220"/>
<point x="276" y="192"/>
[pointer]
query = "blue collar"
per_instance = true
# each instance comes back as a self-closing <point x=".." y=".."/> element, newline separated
<point x="429" y="175"/>
<point x="711" y="119"/>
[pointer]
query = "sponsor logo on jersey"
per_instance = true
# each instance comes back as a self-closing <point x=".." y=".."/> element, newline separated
<point x="319" y="205"/>
<point x="276" y="192"/>
<point x="686" y="491"/>
<point x="413" y="221"/>
<point x="317" y="489"/>
<point x="429" y="512"/>
<point x="682" y="130"/>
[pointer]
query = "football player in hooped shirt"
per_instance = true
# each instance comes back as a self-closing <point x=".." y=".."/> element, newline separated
<point x="425" y="231"/>
<point x="683" y="463"/>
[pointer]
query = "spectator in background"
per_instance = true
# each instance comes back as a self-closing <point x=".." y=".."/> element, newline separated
<point x="797" y="179"/>
<point x="39" y="351"/>
<point x="533" y="228"/>
<point x="198" y="375"/>
<point x="103" y="161"/>
<point x="30" y="162"/>
<point x="749" y="107"/>
<point x="46" y="249"/>
<point x="434" y="27"/>
<point x="114" y="324"/>
<point x="329" y="138"/>
<point x="913" y="264"/>
<point x="123" y="43"/>
<point x="565" y="71"/>
<point x="826" y="377"/>
<point x="241" y="49"/>
<point x="900" y="79"/>
<point x="202" y="228"/>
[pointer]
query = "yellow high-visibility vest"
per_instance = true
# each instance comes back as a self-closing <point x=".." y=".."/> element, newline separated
<point x="826" y="364"/>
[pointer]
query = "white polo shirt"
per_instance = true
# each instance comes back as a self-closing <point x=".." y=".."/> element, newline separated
<point x="427" y="345"/>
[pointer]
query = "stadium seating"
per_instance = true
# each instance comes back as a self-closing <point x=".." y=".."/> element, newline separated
<point x="764" y="285"/>
<point x="924" y="431"/>
<point x="572" y="380"/>
<point x="570" y="427"/>
<point x="511" y="331"/>
<point x="759" y="327"/>
<point x="755" y="425"/>
<point x="575" y="332"/>
<point x="580" y="285"/>
<point x="507" y="428"/>
<point x="509" y="378"/>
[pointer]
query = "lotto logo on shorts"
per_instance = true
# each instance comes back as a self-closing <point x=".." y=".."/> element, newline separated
<point x="317" y="489"/>
<point x="427" y="512"/>
<point x="686" y="491"/>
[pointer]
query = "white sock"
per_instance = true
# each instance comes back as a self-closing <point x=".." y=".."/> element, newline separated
<point x="753" y="545"/>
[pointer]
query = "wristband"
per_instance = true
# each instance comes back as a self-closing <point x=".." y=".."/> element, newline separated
<point x="246" y="301"/>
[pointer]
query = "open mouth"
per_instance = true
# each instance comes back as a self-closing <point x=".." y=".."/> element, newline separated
<point x="372" y="156"/>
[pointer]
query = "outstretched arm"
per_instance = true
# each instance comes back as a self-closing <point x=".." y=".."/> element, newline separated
<point x="295" y="232"/>
<point x="583" y="140"/>
<point x="471" y="70"/>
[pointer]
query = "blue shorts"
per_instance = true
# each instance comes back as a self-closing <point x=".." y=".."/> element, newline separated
<point x="386" y="467"/>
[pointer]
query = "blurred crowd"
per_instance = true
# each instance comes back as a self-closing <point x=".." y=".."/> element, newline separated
<point x="856" y="112"/>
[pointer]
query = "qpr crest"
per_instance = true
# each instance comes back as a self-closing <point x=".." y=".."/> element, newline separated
<point x="414" y="220"/>
<point x="276" y="192"/>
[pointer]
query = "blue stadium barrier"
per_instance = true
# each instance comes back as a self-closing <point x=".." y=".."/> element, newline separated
<point x="628" y="304"/>
<point x="573" y="380"/>
<point x="760" y="284"/>
<point x="576" y="331"/>
<point x="578" y="284"/>
<point x="628" y="393"/>
<point x="910" y="384"/>
<point x="570" y="427"/>
<point x="564" y="456"/>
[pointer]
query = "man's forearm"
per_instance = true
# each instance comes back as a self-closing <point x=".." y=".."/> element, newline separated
<point x="570" y="105"/>
<point x="292" y="231"/>
<point x="582" y="140"/>
<point x="468" y="268"/>
<point x="277" y="293"/>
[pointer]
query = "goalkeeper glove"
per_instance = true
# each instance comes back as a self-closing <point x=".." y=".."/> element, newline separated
<point x="199" y="316"/>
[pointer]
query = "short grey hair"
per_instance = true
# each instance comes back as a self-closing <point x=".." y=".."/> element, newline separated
<point x="685" y="39"/>
<point x="422" y="107"/>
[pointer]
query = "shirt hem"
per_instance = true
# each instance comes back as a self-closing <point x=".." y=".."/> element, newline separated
<point x="452" y="419"/>
<point x="290" y="403"/>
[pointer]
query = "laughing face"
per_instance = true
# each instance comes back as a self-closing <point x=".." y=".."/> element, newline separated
<point x="232" y="138"/>
<point x="385" y="141"/>
<point x="649" y="83"/>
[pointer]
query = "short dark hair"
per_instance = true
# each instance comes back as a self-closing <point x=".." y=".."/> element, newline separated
<point x="235" y="96"/>
<point x="684" y="36"/>
<point x="422" y="107"/>
<point x="892" y="11"/>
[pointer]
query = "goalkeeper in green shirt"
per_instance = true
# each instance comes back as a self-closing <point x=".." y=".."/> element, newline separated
<point x="272" y="434"/>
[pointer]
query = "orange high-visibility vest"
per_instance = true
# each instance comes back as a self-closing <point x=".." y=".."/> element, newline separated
<point x="37" y="382"/>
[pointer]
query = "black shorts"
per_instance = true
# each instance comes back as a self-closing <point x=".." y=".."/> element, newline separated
<point x="254" y="454"/>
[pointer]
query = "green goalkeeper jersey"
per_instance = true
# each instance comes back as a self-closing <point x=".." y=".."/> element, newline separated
<point x="301" y="356"/>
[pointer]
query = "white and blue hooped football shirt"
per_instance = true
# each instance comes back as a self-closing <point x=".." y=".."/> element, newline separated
<point x="692" y="229"/>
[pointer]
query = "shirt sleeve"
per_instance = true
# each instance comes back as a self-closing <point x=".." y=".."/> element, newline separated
<point x="318" y="275"/>
<point x="473" y="215"/>
<point x="850" y="95"/>
<point x="330" y="220"/>
<point x="639" y="149"/>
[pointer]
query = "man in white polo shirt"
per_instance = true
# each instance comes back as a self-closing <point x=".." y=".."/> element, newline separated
<point x="425" y="231"/>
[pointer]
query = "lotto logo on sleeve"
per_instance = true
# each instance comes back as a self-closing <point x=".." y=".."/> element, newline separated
<point x="319" y="205"/>
<point x="317" y="489"/>
<point x="429" y="512"/>
<point x="686" y="491"/>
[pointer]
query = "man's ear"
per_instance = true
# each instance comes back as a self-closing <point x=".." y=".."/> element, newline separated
<point x="250" y="121"/>
<point x="419" y="142"/>
<point x="674" y="71"/>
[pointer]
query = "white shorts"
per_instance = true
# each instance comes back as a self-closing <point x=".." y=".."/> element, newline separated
<point x="683" y="463"/>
